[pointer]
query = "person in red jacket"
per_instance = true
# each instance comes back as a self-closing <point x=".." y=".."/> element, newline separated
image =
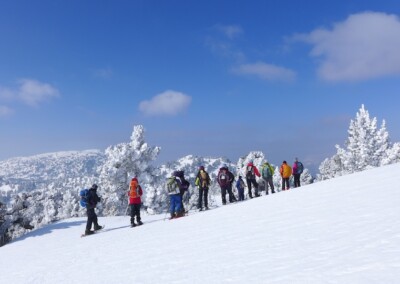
<point x="251" y="173"/>
<point x="135" y="192"/>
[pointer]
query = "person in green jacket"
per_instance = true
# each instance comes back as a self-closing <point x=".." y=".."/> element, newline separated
<point x="267" y="172"/>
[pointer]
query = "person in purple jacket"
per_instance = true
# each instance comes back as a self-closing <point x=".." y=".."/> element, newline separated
<point x="297" y="170"/>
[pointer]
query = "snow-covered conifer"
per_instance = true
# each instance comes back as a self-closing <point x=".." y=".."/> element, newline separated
<point x="366" y="147"/>
<point x="123" y="162"/>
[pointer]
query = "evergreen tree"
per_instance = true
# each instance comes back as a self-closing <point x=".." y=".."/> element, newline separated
<point x="392" y="155"/>
<point x="366" y="146"/>
<point x="123" y="162"/>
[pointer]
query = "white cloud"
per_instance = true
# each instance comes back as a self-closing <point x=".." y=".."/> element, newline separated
<point x="166" y="103"/>
<point x="265" y="71"/>
<point x="5" y="111"/>
<point x="32" y="92"/>
<point x="29" y="91"/>
<point x="366" y="45"/>
<point x="230" y="31"/>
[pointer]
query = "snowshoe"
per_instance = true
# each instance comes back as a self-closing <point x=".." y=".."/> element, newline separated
<point x="87" y="233"/>
<point x="98" y="228"/>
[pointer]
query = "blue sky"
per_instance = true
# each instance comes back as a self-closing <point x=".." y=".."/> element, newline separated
<point x="209" y="78"/>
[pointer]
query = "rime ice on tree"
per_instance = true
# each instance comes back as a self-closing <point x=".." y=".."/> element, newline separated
<point x="366" y="147"/>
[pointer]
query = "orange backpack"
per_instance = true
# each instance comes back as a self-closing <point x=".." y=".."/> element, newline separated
<point x="134" y="189"/>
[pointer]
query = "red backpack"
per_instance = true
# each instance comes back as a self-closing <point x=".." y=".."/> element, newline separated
<point x="223" y="178"/>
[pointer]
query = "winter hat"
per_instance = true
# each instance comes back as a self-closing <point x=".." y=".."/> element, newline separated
<point x="94" y="186"/>
<point x="201" y="168"/>
<point x="284" y="162"/>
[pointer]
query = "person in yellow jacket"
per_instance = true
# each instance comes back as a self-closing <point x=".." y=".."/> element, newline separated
<point x="286" y="172"/>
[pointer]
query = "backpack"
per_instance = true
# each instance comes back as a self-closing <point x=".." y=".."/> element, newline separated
<point x="286" y="171"/>
<point x="271" y="168"/>
<point x="265" y="171"/>
<point x="223" y="178"/>
<point x="172" y="186"/>
<point x="300" y="167"/>
<point x="134" y="190"/>
<point x="240" y="184"/>
<point x="84" y="194"/>
<point x="203" y="178"/>
<point x="250" y="172"/>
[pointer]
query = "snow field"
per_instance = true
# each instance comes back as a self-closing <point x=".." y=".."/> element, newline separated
<point x="344" y="230"/>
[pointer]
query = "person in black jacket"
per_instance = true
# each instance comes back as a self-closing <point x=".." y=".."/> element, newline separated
<point x="203" y="181"/>
<point x="93" y="199"/>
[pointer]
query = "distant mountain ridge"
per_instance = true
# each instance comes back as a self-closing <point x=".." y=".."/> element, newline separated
<point x="30" y="172"/>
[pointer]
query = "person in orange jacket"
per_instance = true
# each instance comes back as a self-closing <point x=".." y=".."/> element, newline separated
<point x="135" y="201"/>
<point x="286" y="172"/>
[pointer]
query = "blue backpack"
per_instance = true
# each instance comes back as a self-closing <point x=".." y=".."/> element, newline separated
<point x="300" y="168"/>
<point x="84" y="194"/>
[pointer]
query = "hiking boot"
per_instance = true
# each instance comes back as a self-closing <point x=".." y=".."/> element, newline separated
<point x="172" y="216"/>
<point x="207" y="208"/>
<point x="200" y="209"/>
<point x="98" y="228"/>
<point x="88" y="232"/>
<point x="133" y="225"/>
<point x="139" y="223"/>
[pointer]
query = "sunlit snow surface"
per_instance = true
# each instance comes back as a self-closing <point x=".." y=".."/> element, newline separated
<point x="344" y="230"/>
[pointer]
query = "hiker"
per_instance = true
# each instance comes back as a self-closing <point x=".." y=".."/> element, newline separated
<point x="93" y="199"/>
<point x="297" y="171"/>
<point x="251" y="173"/>
<point x="240" y="187"/>
<point x="267" y="172"/>
<point x="286" y="172"/>
<point x="203" y="182"/>
<point x="135" y="201"/>
<point x="183" y="186"/>
<point x="225" y="180"/>
<point x="232" y="180"/>
<point x="175" y="198"/>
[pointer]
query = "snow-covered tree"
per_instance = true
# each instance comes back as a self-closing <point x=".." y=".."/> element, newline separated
<point x="123" y="162"/>
<point x="306" y="177"/>
<point x="366" y="147"/>
<point x="392" y="155"/>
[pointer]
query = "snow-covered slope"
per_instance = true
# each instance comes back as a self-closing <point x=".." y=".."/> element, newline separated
<point x="344" y="230"/>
